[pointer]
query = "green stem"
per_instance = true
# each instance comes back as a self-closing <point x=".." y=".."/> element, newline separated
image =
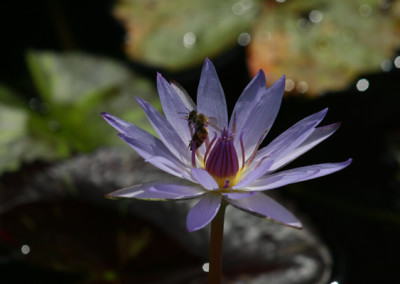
<point x="216" y="244"/>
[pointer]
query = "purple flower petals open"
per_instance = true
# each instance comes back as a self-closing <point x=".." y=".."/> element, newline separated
<point x="230" y="166"/>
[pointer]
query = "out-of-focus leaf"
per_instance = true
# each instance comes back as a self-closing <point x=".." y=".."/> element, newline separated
<point x="324" y="45"/>
<point x="82" y="86"/>
<point x="178" y="33"/>
<point x="10" y="98"/>
<point x="73" y="77"/>
<point x="74" y="88"/>
<point x="12" y="128"/>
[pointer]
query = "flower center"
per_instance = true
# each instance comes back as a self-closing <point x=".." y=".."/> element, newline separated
<point x="222" y="162"/>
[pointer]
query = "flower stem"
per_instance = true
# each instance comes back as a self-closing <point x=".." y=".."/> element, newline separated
<point x="216" y="244"/>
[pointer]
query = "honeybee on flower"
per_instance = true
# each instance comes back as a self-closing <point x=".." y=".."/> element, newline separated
<point x="198" y="123"/>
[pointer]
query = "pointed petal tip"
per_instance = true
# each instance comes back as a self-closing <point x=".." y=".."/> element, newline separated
<point x="296" y="225"/>
<point x="260" y="77"/>
<point x="109" y="118"/>
<point x="111" y="196"/>
<point x="348" y="161"/>
<point x="280" y="83"/>
<point x="324" y="111"/>
<point x="208" y="64"/>
<point x="141" y="102"/>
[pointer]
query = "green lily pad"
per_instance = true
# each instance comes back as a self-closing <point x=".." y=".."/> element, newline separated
<point x="178" y="33"/>
<point x="324" y="45"/>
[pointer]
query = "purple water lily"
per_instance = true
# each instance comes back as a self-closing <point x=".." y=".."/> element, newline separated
<point x="229" y="165"/>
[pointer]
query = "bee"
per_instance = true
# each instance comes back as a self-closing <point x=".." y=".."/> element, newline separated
<point x="198" y="123"/>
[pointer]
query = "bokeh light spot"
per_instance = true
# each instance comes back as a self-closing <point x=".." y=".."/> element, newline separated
<point x="25" y="249"/>
<point x="206" y="267"/>
<point x="302" y="87"/>
<point x="397" y="62"/>
<point x="365" y="10"/>
<point x="189" y="39"/>
<point x="362" y="85"/>
<point x="386" y="65"/>
<point x="289" y="85"/>
<point x="315" y="16"/>
<point x="244" y="39"/>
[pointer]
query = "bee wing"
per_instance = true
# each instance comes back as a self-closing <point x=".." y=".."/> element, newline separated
<point x="212" y="121"/>
<point x="186" y="99"/>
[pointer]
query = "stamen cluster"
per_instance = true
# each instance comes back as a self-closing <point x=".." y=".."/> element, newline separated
<point x="222" y="163"/>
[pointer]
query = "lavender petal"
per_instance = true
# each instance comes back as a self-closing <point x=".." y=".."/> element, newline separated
<point x="210" y="95"/>
<point x="174" y="108"/>
<point x="283" y="178"/>
<point x="204" y="179"/>
<point x="317" y="136"/>
<point x="262" y="117"/>
<point x="203" y="212"/>
<point x="248" y="100"/>
<point x="292" y="137"/>
<point x="253" y="175"/>
<point x="146" y="145"/>
<point x="171" y="189"/>
<point x="264" y="206"/>
<point x="239" y="195"/>
<point x="166" y="132"/>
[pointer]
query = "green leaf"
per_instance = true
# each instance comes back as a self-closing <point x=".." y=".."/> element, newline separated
<point x="10" y="98"/>
<point x="176" y="34"/>
<point x="12" y="127"/>
<point x="74" y="88"/>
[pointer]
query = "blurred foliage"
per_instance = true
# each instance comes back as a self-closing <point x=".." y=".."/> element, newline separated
<point x="320" y="45"/>
<point x="176" y="34"/>
<point x="325" y="44"/>
<point x="73" y="89"/>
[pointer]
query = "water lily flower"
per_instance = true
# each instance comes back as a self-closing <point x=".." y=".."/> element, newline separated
<point x="228" y="167"/>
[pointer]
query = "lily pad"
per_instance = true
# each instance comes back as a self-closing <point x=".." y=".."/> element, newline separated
<point x="177" y="34"/>
<point x="324" y="45"/>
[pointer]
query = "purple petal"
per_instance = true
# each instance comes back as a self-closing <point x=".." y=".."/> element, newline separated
<point x="210" y="95"/>
<point x="292" y="137"/>
<point x="263" y="206"/>
<point x="239" y="195"/>
<point x="160" y="190"/>
<point x="204" y="179"/>
<point x="174" y="108"/>
<point x="317" y="136"/>
<point x="123" y="126"/>
<point x="166" y="132"/>
<point x="248" y="100"/>
<point x="184" y="96"/>
<point x="171" y="167"/>
<point x="203" y="212"/>
<point x="262" y="117"/>
<point x="155" y="152"/>
<point x="253" y="175"/>
<point x="296" y="175"/>
<point x="147" y="146"/>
